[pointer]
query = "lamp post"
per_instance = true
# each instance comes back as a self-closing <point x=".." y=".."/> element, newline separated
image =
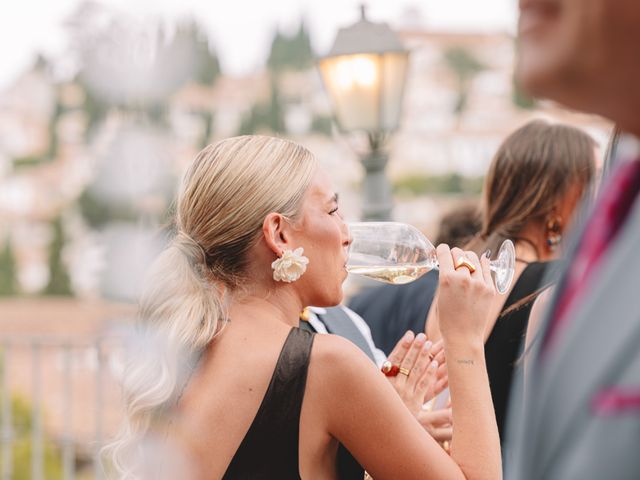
<point x="364" y="74"/>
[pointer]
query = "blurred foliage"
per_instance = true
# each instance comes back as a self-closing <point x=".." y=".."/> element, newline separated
<point x="190" y="40"/>
<point x="95" y="108"/>
<point x="453" y="183"/>
<point x="291" y="53"/>
<point x="42" y="64"/>
<point x="322" y="124"/>
<point x="28" y="161"/>
<point x="58" y="110"/>
<point x="462" y="63"/>
<point x="98" y="213"/>
<point x="21" y="415"/>
<point x="8" y="271"/>
<point x="207" y="66"/>
<point x="464" y="66"/>
<point x="520" y="99"/>
<point x="207" y="118"/>
<point x="59" y="282"/>
<point x="268" y="116"/>
<point x="156" y="113"/>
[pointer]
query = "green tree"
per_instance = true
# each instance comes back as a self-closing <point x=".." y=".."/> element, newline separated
<point x="321" y="124"/>
<point x="291" y="53"/>
<point x="94" y="106"/>
<point x="207" y="118"/>
<point x="59" y="282"/>
<point x="268" y="116"/>
<point x="248" y="124"/>
<point x="206" y="64"/>
<point x="274" y="112"/>
<point x="53" y="128"/>
<point x="8" y="271"/>
<point x="98" y="213"/>
<point x="465" y="67"/>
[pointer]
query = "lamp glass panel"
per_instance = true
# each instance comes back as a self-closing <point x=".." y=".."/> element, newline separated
<point x="353" y="83"/>
<point x="394" y="72"/>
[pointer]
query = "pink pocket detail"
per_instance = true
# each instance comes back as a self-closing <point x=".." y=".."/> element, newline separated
<point x="612" y="401"/>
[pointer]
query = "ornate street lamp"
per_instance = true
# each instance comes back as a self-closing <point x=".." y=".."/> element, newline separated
<point x="364" y="74"/>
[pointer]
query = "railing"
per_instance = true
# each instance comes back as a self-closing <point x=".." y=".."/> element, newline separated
<point x="71" y="382"/>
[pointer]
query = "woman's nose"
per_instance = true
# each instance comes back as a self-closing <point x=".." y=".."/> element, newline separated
<point x="347" y="235"/>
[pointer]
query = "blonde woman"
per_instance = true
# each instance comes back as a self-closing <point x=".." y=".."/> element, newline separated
<point x="259" y="238"/>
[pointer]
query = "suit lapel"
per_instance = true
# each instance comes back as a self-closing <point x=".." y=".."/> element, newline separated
<point x="338" y="322"/>
<point x="586" y="352"/>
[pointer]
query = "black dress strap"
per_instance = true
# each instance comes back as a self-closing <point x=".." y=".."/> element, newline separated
<point x="269" y="450"/>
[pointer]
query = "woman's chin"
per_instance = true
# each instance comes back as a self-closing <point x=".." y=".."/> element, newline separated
<point x="330" y="300"/>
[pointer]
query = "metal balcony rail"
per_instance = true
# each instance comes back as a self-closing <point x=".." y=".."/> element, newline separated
<point x="88" y="365"/>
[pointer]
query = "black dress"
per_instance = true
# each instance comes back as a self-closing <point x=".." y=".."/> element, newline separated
<point x="503" y="348"/>
<point x="269" y="450"/>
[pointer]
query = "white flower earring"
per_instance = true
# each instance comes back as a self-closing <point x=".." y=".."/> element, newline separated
<point x="290" y="266"/>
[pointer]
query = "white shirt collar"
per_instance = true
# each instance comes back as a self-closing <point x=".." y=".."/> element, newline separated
<point x="318" y="310"/>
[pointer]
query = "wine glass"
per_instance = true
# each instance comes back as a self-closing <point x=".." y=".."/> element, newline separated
<point x="399" y="253"/>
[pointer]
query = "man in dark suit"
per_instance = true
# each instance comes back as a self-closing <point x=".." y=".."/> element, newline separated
<point x="391" y="310"/>
<point x="580" y="416"/>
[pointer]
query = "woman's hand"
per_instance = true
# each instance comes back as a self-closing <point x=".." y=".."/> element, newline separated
<point x="439" y="423"/>
<point x="464" y="297"/>
<point x="426" y="367"/>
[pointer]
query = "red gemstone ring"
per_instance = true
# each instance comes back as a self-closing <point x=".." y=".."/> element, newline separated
<point x="389" y="369"/>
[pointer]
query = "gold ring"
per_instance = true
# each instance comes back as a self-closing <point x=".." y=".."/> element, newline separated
<point x="464" y="262"/>
<point x="404" y="371"/>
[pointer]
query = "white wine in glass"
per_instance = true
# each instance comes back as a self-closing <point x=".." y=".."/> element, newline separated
<point x="399" y="253"/>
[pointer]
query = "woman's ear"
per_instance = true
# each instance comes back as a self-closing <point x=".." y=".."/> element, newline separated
<point x="275" y="231"/>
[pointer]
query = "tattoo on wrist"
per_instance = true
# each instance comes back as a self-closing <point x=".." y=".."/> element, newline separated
<point x="465" y="361"/>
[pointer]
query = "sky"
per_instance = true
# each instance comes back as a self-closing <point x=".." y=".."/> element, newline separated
<point x="241" y="30"/>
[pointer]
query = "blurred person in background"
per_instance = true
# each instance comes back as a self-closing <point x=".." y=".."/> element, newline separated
<point x="459" y="226"/>
<point x="259" y="236"/>
<point x="581" y="404"/>
<point x="392" y="310"/>
<point x="534" y="184"/>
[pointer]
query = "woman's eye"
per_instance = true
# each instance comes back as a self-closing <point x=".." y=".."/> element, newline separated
<point x="333" y="211"/>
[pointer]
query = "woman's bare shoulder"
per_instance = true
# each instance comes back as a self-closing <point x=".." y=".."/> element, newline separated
<point x="337" y="360"/>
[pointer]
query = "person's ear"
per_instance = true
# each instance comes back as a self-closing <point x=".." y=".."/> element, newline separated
<point x="276" y="233"/>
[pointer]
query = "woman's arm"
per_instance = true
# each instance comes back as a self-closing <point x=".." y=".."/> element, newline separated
<point x="368" y="417"/>
<point x="464" y="309"/>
